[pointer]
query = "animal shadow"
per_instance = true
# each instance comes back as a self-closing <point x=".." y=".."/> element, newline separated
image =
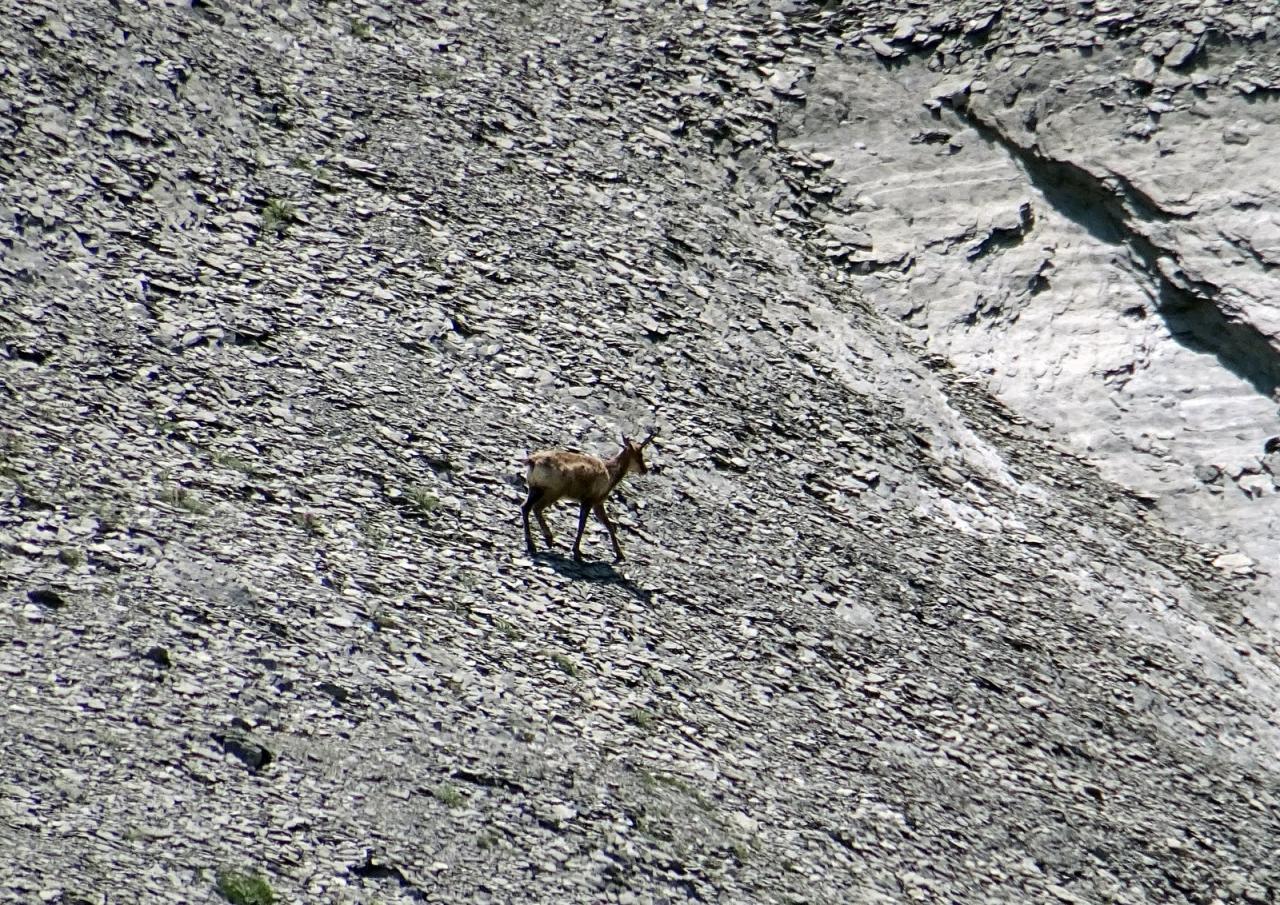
<point x="595" y="572"/>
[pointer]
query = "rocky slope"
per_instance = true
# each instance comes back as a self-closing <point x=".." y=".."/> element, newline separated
<point x="291" y="291"/>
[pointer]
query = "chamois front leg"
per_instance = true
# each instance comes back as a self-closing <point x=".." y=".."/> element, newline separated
<point x="582" y="524"/>
<point x="613" y="535"/>
<point x="535" y="494"/>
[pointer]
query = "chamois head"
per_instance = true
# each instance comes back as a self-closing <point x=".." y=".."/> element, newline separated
<point x="632" y="456"/>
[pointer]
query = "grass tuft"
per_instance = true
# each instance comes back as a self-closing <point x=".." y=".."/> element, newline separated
<point x="382" y="619"/>
<point x="307" y="521"/>
<point x="640" y="717"/>
<point x="277" y="215"/>
<point x="421" y="499"/>
<point x="173" y="495"/>
<point x="232" y="461"/>
<point x="11" y="447"/>
<point x="449" y="795"/>
<point x="508" y="629"/>
<point x="242" y="888"/>
<point x="567" y="666"/>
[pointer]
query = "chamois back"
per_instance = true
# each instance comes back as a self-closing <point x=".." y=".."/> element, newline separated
<point x="561" y="473"/>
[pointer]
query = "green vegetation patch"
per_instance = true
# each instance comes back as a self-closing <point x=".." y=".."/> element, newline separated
<point x="449" y="795"/>
<point x="277" y="214"/>
<point x="422" y="500"/>
<point x="243" y="888"/>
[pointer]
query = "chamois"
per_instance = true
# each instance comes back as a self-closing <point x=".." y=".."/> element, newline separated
<point x="556" y="474"/>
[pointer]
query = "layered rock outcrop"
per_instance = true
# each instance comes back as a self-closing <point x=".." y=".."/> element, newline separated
<point x="1074" y="204"/>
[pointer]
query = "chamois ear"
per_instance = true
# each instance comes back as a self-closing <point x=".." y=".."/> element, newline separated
<point x="653" y="433"/>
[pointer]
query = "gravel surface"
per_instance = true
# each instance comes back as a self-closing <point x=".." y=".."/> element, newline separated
<point x="289" y="293"/>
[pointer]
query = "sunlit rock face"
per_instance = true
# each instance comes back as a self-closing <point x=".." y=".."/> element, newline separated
<point x="1093" y="236"/>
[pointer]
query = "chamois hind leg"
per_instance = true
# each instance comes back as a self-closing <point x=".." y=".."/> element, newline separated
<point x="542" y="523"/>
<point x="535" y="494"/>
<point x="613" y="535"/>
<point x="582" y="524"/>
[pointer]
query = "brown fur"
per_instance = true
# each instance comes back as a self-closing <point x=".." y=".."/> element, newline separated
<point x="557" y="474"/>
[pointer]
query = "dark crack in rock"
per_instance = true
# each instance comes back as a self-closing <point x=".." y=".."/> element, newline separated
<point x="250" y="753"/>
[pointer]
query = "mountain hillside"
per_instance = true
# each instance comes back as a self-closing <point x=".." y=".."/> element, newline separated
<point x="290" y="291"/>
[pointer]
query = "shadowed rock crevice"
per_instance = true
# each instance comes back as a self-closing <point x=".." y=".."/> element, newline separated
<point x="1110" y="208"/>
<point x="373" y="870"/>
